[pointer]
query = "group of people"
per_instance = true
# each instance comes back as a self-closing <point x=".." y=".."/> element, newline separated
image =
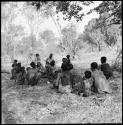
<point x="94" y="80"/>
<point x="31" y="75"/>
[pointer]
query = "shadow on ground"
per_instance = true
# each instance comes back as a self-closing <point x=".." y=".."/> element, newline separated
<point x="40" y="104"/>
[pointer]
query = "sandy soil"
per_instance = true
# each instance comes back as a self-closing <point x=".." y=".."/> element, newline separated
<point x="40" y="104"/>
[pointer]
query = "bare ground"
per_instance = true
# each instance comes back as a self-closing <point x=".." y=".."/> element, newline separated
<point x="40" y="104"/>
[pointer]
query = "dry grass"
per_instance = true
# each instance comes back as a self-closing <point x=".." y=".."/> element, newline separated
<point x="40" y="104"/>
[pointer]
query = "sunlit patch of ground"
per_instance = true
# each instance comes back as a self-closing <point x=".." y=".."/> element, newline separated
<point x="40" y="104"/>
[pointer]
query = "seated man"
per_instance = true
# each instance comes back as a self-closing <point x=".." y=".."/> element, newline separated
<point x="50" y="66"/>
<point x="31" y="75"/>
<point x="13" y="71"/>
<point x="40" y="71"/>
<point x="68" y="58"/>
<point x="105" y="68"/>
<point x="101" y="85"/>
<point x="65" y="72"/>
<point x="37" y="58"/>
<point x="21" y="76"/>
<point x="86" y="85"/>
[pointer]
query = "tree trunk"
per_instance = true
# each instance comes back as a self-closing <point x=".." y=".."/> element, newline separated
<point x="57" y="26"/>
<point x="99" y="47"/>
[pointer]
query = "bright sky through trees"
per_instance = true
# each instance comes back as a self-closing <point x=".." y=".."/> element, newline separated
<point x="49" y="24"/>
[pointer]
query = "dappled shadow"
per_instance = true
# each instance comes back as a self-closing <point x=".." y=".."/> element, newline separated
<point x="41" y="104"/>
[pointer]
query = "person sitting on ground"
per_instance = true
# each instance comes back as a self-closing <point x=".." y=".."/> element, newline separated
<point x="86" y="85"/>
<point x="65" y="72"/>
<point x="49" y="59"/>
<point x="69" y="62"/>
<point x="18" y="70"/>
<point x="37" y="58"/>
<point x="27" y="69"/>
<point x="50" y="64"/>
<point x="13" y="71"/>
<point x="68" y="58"/>
<point x="40" y="70"/>
<point x="101" y="84"/>
<point x="21" y="76"/>
<point x="105" y="68"/>
<point x="70" y="67"/>
<point x="19" y="67"/>
<point x="40" y="67"/>
<point x="31" y="75"/>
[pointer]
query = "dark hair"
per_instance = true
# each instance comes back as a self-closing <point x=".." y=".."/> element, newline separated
<point x="38" y="64"/>
<point x="87" y="74"/>
<point x="68" y="56"/>
<point x="32" y="64"/>
<point x="19" y="64"/>
<point x="52" y="63"/>
<point x="94" y="65"/>
<point x="27" y="68"/>
<point x="22" y="69"/>
<point x="37" y="54"/>
<point x="103" y="59"/>
<point x="15" y="61"/>
<point x="64" y="60"/>
<point x="50" y="55"/>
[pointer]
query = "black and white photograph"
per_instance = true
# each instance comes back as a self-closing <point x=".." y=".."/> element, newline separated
<point x="61" y="62"/>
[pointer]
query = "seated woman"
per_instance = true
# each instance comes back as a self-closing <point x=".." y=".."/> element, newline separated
<point x="101" y="84"/>
<point x="31" y="75"/>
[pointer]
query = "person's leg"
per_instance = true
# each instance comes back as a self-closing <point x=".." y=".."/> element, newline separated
<point x="58" y="79"/>
<point x="67" y="75"/>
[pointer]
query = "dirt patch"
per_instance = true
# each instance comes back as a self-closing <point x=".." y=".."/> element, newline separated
<point x="40" y="104"/>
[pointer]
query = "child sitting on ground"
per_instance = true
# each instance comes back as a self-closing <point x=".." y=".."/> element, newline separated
<point x="101" y="84"/>
<point x="105" y="68"/>
<point x="86" y="85"/>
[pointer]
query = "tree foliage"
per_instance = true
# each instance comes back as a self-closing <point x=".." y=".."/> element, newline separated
<point x="113" y="10"/>
<point x="71" y="43"/>
<point x="68" y="8"/>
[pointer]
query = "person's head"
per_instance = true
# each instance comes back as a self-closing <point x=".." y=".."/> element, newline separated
<point x="27" y="68"/>
<point x="32" y="64"/>
<point x="68" y="56"/>
<point x="19" y="64"/>
<point x="94" y="66"/>
<point x="37" y="55"/>
<point x="87" y="74"/>
<point x="22" y="69"/>
<point x="64" y="60"/>
<point x="15" y="61"/>
<point x="51" y="55"/>
<point x="52" y="63"/>
<point x="103" y="59"/>
<point x="38" y="64"/>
